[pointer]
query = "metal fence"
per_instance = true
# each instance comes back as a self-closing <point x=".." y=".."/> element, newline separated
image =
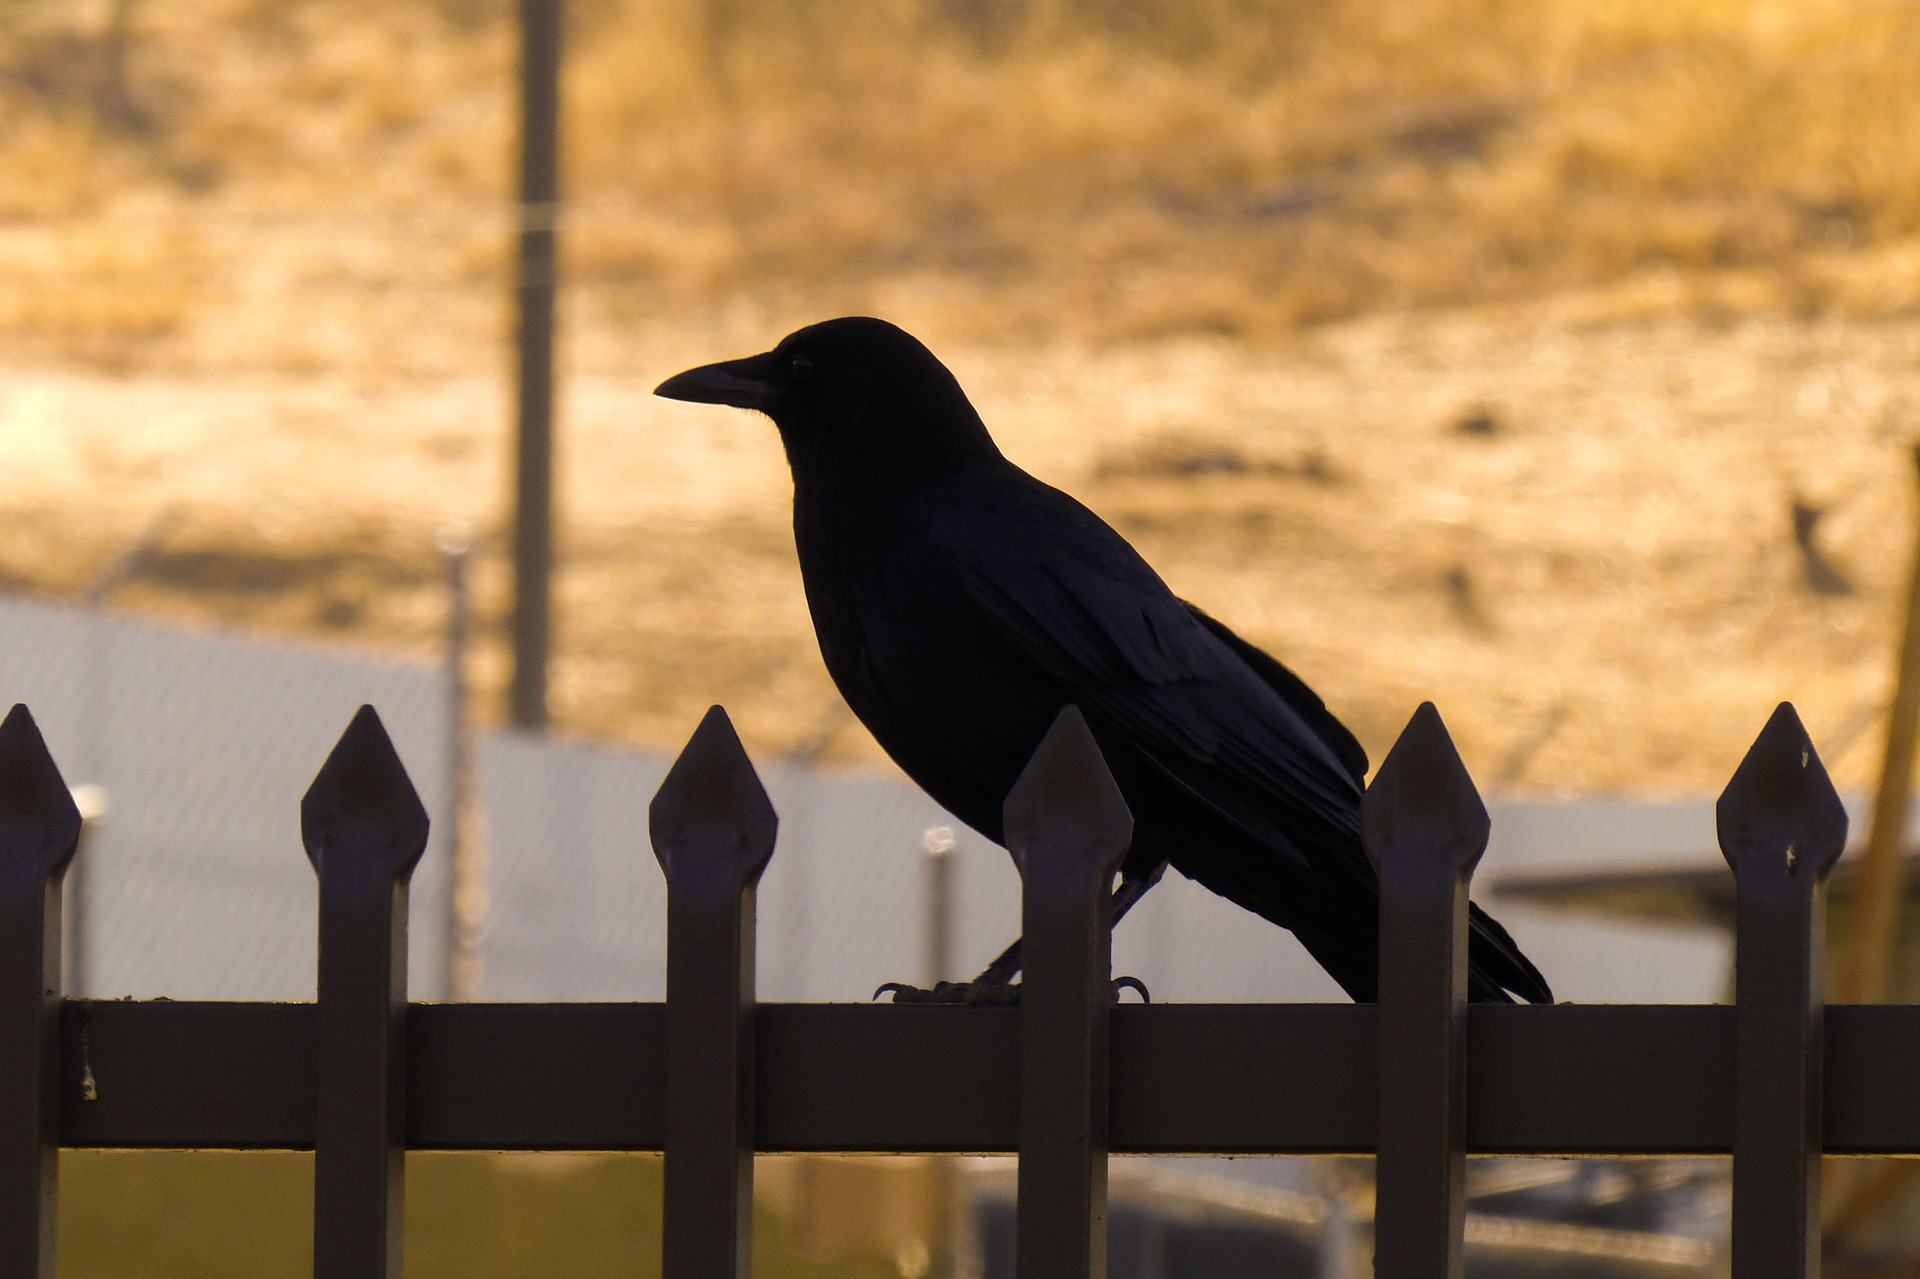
<point x="1061" y="1080"/>
<point x="200" y="744"/>
<point x="844" y="905"/>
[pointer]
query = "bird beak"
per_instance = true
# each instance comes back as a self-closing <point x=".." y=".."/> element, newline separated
<point x="745" y="384"/>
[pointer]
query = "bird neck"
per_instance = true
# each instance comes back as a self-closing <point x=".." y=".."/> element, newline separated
<point x="890" y="454"/>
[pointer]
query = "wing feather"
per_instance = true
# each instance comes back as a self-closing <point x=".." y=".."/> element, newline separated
<point x="1071" y="595"/>
<point x="1234" y="729"/>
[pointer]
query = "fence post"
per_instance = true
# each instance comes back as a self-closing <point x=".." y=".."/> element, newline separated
<point x="1068" y="829"/>
<point x="39" y="827"/>
<point x="364" y="829"/>
<point x="713" y="830"/>
<point x="1424" y="828"/>
<point x="1782" y="827"/>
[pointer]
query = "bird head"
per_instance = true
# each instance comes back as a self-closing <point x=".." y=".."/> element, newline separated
<point x="853" y="392"/>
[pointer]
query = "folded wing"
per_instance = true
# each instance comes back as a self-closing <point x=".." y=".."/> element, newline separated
<point x="1231" y="727"/>
<point x="1070" y="594"/>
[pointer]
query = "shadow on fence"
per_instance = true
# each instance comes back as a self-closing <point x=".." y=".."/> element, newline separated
<point x="1063" y="1079"/>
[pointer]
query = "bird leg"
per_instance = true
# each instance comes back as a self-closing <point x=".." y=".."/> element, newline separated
<point x="995" y="985"/>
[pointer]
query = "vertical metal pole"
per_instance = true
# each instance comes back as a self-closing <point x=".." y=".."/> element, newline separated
<point x="1424" y="828"/>
<point x="1068" y="829"/>
<point x="937" y="960"/>
<point x="465" y="905"/>
<point x="39" y="827"/>
<point x="944" y="1210"/>
<point x="364" y="829"/>
<point x="1782" y="827"/>
<point x="91" y="795"/>
<point x="713" y="830"/>
<point x="1338" y="1256"/>
<point x="76" y="977"/>
<point x="536" y="279"/>
<point x="91" y="801"/>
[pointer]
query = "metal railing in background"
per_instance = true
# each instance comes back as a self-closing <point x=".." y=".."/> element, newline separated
<point x="1063" y="1079"/>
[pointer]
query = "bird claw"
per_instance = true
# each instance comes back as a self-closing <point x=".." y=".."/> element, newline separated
<point x="986" y="992"/>
<point x="952" y="992"/>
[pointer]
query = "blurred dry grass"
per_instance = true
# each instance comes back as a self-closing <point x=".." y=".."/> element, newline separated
<point x="1235" y="166"/>
<point x="1235" y="271"/>
<point x="1096" y="169"/>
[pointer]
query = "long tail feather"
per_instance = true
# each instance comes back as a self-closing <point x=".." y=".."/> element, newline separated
<point x="1496" y="969"/>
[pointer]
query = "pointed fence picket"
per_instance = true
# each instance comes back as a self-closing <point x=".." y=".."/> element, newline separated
<point x="1424" y="828"/>
<point x="1063" y="1079"/>
<point x="364" y="829"/>
<point x="713" y="830"/>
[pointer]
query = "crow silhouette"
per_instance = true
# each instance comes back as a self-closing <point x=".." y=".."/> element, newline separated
<point x="961" y="604"/>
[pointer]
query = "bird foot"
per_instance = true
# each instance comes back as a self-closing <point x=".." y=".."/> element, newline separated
<point x="986" y="992"/>
<point x="953" y="992"/>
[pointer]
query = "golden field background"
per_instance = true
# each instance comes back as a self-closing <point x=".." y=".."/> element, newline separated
<point x="1459" y="349"/>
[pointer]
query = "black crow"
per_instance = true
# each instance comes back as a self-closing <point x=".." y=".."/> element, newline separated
<point x="960" y="604"/>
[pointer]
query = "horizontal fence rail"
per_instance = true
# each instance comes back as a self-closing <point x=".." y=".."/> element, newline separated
<point x="1226" y="1079"/>
<point x="1063" y="1079"/>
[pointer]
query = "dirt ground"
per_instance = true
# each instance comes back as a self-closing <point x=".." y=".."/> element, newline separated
<point x="1569" y="526"/>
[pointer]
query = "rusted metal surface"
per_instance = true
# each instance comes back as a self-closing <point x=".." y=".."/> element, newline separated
<point x="1782" y="828"/>
<point x="364" y="830"/>
<point x="39" y="827"/>
<point x="713" y="830"/>
<point x="1068" y="829"/>
<point x="1424" y="827"/>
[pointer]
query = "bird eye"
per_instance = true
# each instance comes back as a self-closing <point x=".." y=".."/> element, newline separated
<point x="800" y="368"/>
